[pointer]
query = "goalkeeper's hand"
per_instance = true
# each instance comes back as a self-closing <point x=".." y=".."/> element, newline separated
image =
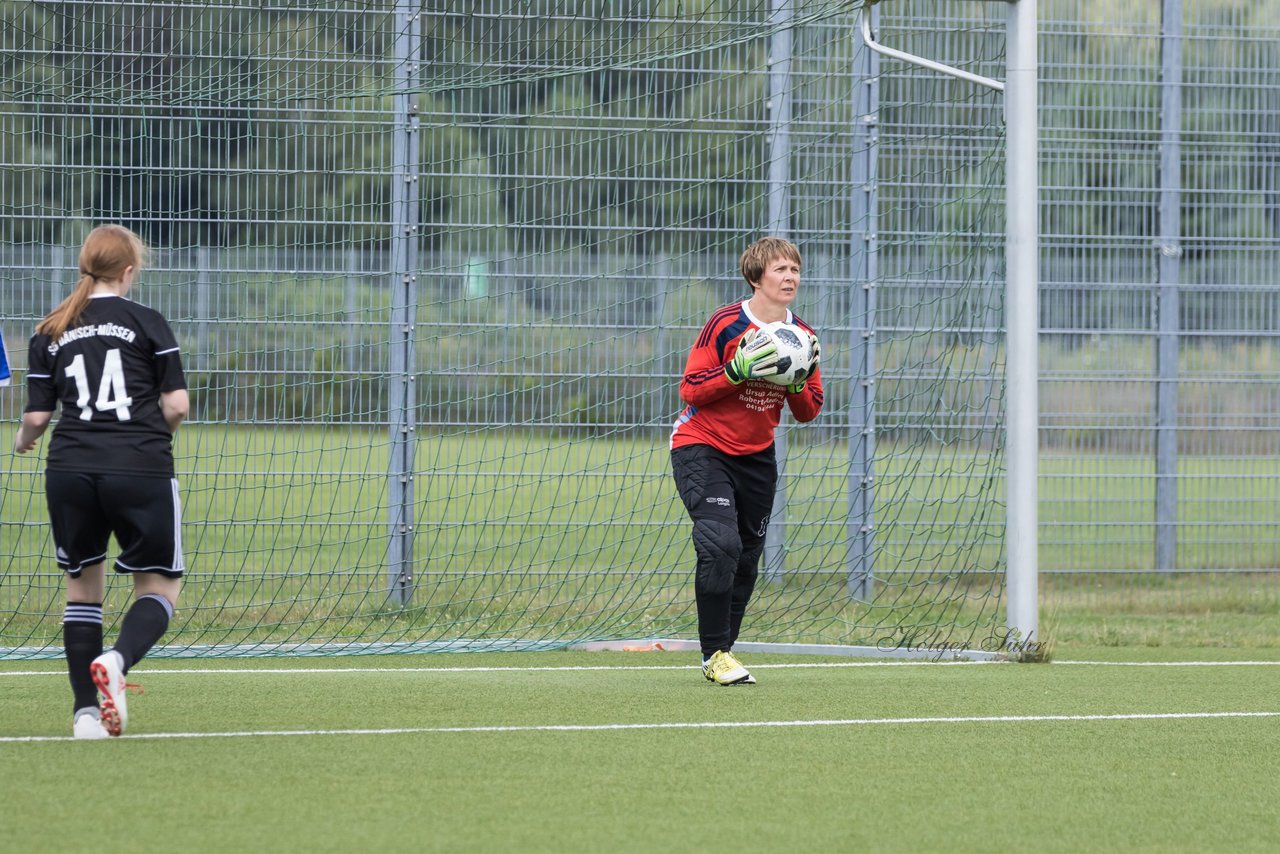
<point x="757" y="356"/>
<point x="816" y="349"/>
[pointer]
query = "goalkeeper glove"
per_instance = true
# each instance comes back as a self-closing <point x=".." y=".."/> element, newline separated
<point x="757" y="356"/>
<point x="816" y="350"/>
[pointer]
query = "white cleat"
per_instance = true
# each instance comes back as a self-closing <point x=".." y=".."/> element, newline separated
<point x="89" y="727"/>
<point x="108" y="674"/>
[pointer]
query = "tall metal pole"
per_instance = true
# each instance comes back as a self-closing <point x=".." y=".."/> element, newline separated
<point x="860" y="520"/>
<point x="779" y="225"/>
<point x="404" y="280"/>
<point x="1022" y="309"/>
<point x="1168" y="274"/>
<point x="1022" y="321"/>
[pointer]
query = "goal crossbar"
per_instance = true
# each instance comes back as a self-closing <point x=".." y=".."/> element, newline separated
<point x="864" y="24"/>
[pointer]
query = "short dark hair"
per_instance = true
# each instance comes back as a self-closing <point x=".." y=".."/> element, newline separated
<point x="758" y="255"/>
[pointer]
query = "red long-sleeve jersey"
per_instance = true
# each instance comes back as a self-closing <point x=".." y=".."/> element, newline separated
<point x="736" y="419"/>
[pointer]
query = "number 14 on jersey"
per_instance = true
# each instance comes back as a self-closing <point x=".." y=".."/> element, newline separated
<point x="111" y="389"/>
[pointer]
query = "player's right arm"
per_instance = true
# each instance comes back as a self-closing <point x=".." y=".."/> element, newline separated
<point x="29" y="432"/>
<point x="704" y="380"/>
<point x="42" y="396"/>
<point x="719" y="361"/>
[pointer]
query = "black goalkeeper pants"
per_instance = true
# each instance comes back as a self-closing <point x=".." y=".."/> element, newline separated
<point x="729" y="499"/>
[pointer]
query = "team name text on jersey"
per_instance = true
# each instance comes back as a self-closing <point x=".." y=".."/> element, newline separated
<point x="112" y="330"/>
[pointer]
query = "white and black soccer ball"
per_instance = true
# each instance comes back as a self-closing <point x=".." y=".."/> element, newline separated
<point x="795" y="352"/>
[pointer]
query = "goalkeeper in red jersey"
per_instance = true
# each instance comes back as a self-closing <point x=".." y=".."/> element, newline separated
<point x="722" y="453"/>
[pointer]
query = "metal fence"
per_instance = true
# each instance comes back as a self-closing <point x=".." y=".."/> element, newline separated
<point x="508" y="244"/>
<point x="1159" y="299"/>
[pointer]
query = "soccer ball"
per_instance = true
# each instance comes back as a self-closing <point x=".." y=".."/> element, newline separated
<point x="795" y="353"/>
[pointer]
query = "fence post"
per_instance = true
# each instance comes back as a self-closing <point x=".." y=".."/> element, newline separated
<point x="200" y="358"/>
<point x="349" y="365"/>
<point x="863" y="269"/>
<point x="1168" y="275"/>
<point x="779" y="225"/>
<point x="404" y="282"/>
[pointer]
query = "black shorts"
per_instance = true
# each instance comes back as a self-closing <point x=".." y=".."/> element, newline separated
<point x="735" y="489"/>
<point x="143" y="512"/>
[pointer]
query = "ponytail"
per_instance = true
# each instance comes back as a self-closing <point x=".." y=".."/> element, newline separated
<point x="68" y="312"/>
<point x="107" y="252"/>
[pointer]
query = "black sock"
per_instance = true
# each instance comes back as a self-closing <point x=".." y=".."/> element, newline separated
<point x="713" y="620"/>
<point x="144" y="624"/>
<point x="82" y="643"/>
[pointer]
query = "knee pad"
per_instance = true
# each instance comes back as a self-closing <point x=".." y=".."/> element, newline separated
<point x="719" y="549"/>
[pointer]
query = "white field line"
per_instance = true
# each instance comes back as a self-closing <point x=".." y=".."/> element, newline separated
<point x="214" y="671"/>
<point x="604" y="667"/>
<point x="1174" y="663"/>
<point x="849" y="722"/>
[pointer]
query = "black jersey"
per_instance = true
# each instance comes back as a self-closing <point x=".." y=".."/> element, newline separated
<point x="108" y="372"/>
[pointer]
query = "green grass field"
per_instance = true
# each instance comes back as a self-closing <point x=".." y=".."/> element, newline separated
<point x="540" y="535"/>
<point x="623" y="752"/>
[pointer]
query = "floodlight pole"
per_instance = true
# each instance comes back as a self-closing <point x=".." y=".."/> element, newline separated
<point x="1022" y="310"/>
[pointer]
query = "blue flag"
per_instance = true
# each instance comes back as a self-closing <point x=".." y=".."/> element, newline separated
<point x="6" y="376"/>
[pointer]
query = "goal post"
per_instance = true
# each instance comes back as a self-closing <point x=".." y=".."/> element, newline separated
<point x="1022" y="312"/>
<point x="1022" y="300"/>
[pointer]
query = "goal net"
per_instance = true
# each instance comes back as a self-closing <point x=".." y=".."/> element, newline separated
<point x="436" y="267"/>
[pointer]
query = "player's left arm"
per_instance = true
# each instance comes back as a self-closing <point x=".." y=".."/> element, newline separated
<point x="805" y="399"/>
<point x="806" y="403"/>
<point x="175" y="403"/>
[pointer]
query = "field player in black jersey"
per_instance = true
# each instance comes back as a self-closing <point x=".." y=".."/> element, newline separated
<point x="114" y="367"/>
